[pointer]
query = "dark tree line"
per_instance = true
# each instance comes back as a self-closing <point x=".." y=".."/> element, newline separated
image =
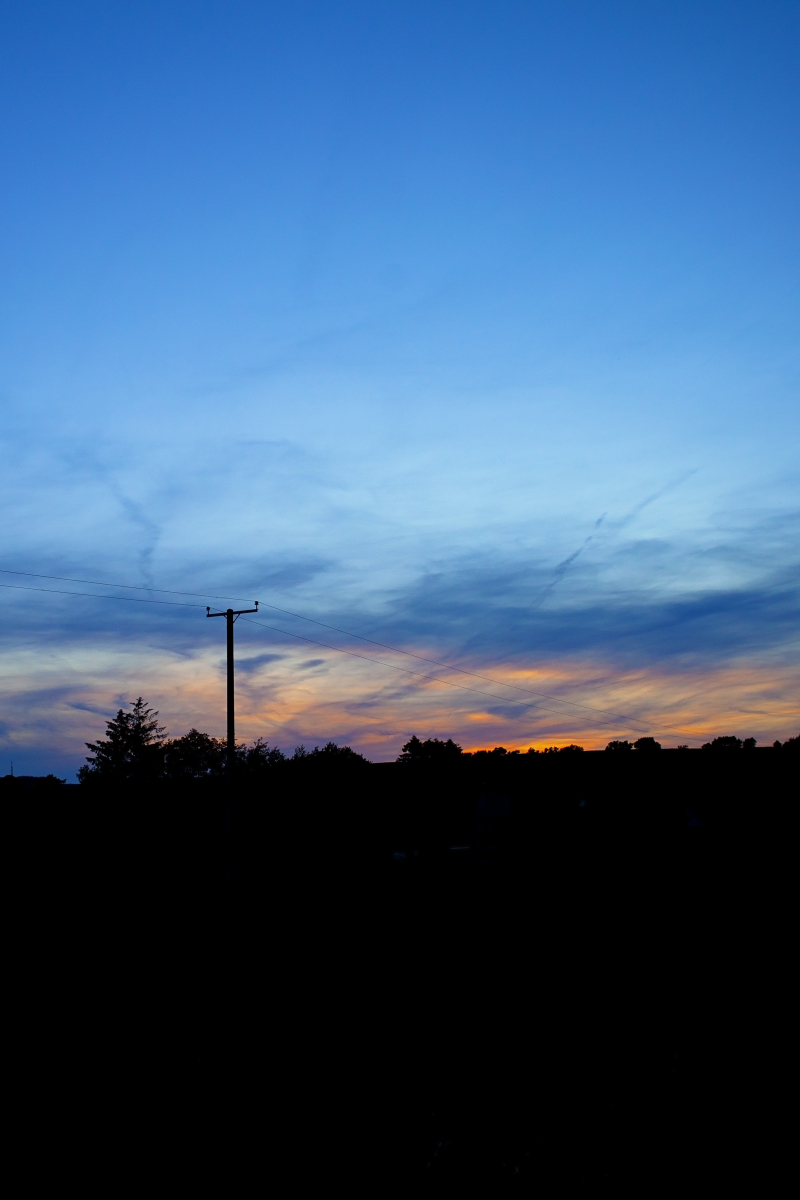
<point x="719" y="743"/>
<point x="434" y="750"/>
<point x="137" y="750"/>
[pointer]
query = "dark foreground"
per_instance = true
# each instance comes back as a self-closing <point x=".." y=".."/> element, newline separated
<point x="583" y="996"/>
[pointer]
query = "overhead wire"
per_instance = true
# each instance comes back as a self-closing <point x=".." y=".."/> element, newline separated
<point x="449" y="666"/>
<point x="133" y="587"/>
<point x="19" y="587"/>
<point x="618" y="717"/>
<point x="539" y="696"/>
<point x="289" y="633"/>
<point x="464" y="687"/>
<point x="460" y="686"/>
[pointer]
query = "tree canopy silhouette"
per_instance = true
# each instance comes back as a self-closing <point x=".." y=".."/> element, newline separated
<point x="137" y="750"/>
<point x="431" y="750"/>
<point x="730" y="743"/>
<point x="133" y="749"/>
<point x="194" y="756"/>
<point x="330" y="754"/>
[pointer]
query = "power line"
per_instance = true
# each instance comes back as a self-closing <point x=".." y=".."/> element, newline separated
<point x="449" y="682"/>
<point x="314" y="642"/>
<point x="461" y="686"/>
<point x="128" y="586"/>
<point x="618" y="717"/>
<point x="419" y="674"/>
<point x="94" y="596"/>
<point x="336" y="629"/>
<point x="539" y="696"/>
<point x="449" y="666"/>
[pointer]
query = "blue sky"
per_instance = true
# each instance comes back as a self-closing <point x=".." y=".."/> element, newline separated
<point x="470" y="328"/>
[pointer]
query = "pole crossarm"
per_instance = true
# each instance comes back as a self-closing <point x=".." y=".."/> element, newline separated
<point x="231" y="612"/>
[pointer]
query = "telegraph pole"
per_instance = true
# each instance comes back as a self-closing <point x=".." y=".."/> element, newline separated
<point x="230" y="618"/>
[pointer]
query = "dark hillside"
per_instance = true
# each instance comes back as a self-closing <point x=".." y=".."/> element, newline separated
<point x="494" y="970"/>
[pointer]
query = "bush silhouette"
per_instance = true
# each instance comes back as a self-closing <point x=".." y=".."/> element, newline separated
<point x="724" y="743"/>
<point x="431" y="750"/>
<point x="646" y="743"/>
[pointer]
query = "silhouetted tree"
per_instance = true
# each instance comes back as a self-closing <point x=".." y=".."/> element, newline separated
<point x="723" y="743"/>
<point x="646" y="743"/>
<point x="431" y="750"/>
<point x="194" y="756"/>
<point x="619" y="746"/>
<point x="330" y="756"/>
<point x="258" y="759"/>
<point x="570" y="749"/>
<point x="132" y="751"/>
<point x="331" y="752"/>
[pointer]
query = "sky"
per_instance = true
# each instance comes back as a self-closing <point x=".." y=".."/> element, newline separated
<point x="467" y="328"/>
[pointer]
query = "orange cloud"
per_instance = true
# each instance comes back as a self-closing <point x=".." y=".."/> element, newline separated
<point x="63" y="700"/>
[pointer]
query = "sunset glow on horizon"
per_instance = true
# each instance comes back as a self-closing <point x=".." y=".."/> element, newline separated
<point x="463" y="337"/>
<point x="291" y="699"/>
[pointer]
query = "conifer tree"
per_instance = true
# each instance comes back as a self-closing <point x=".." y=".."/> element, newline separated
<point x="132" y="751"/>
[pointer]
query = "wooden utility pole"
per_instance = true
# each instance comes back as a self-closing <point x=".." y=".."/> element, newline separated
<point x="230" y="616"/>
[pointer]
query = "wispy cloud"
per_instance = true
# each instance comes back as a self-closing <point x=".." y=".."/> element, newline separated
<point x="254" y="663"/>
<point x="562" y="568"/>
<point x="681" y="637"/>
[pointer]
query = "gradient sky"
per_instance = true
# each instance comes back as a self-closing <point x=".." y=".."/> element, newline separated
<point x="468" y="327"/>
